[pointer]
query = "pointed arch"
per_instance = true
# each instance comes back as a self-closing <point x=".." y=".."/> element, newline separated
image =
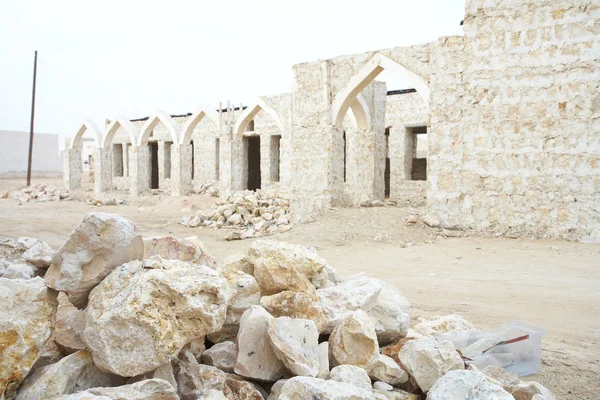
<point x="87" y="125"/>
<point x="366" y="75"/>
<point x="360" y="113"/>
<point x="249" y="114"/>
<point x="194" y="120"/>
<point x="159" y="116"/>
<point x="119" y="122"/>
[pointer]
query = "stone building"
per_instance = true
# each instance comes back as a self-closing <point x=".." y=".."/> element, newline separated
<point x="502" y="129"/>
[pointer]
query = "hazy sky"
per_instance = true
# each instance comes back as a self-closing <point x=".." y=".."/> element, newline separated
<point x="132" y="57"/>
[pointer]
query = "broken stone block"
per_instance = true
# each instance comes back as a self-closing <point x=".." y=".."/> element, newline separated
<point x="392" y="350"/>
<point x="388" y="371"/>
<point x="427" y="360"/>
<point x="390" y="314"/>
<point x="221" y="355"/>
<point x="354" y="342"/>
<point x="70" y="323"/>
<point x="37" y="253"/>
<point x="323" y="360"/>
<point x="238" y="262"/>
<point x="245" y="293"/>
<point x="139" y="318"/>
<point x="295" y="342"/>
<point x="27" y="309"/>
<point x="351" y="375"/>
<point x="466" y="384"/>
<point x="431" y="220"/>
<point x="439" y="325"/>
<point x="396" y="394"/>
<point x="193" y="350"/>
<point x="189" y="249"/>
<point x="274" y="276"/>
<point x="74" y="373"/>
<point x="382" y="386"/>
<point x="256" y="358"/>
<point x="356" y="293"/>
<point x="508" y="380"/>
<point x="295" y="305"/>
<point x="528" y="390"/>
<point x="276" y="389"/>
<point x="196" y="380"/>
<point x="149" y="389"/>
<point x="239" y="389"/>
<point x="49" y="355"/>
<point x="19" y="271"/>
<point x="303" y="387"/>
<point x="100" y="243"/>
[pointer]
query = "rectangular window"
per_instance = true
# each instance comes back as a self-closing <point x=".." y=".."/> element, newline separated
<point x="275" y="157"/>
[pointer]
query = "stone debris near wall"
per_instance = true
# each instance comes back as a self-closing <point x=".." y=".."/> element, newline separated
<point x="169" y="322"/>
<point x="39" y="192"/>
<point x="211" y="189"/>
<point x="250" y="214"/>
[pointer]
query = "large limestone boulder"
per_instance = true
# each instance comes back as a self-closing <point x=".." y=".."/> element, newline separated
<point x="189" y="249"/>
<point x="292" y="255"/>
<point x="356" y="293"/>
<point x="96" y="246"/>
<point x="390" y="314"/>
<point x="295" y="305"/>
<point x="302" y="388"/>
<point x="70" y="323"/>
<point x="354" y="342"/>
<point x="388" y="371"/>
<point x="351" y="375"/>
<point x="274" y="276"/>
<point x="444" y="324"/>
<point x="72" y="374"/>
<point x="149" y="389"/>
<point x="508" y="380"/>
<point x="221" y="355"/>
<point x="427" y="360"/>
<point x="139" y="318"/>
<point x="256" y="358"/>
<point x="528" y="390"/>
<point x="237" y="262"/>
<point x="296" y="343"/>
<point x="27" y="309"/>
<point x="466" y="385"/>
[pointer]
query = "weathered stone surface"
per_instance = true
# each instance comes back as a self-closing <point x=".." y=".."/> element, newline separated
<point x="193" y="350"/>
<point x="354" y="342"/>
<point x="390" y="314"/>
<point x="392" y="350"/>
<point x="149" y="389"/>
<point x="189" y="249"/>
<point x="37" y="253"/>
<point x="19" y="270"/>
<point x="444" y="324"/>
<point x="27" y="309"/>
<point x="292" y="255"/>
<point x="70" y="323"/>
<point x="276" y="389"/>
<point x="256" y="358"/>
<point x="72" y="374"/>
<point x="382" y="386"/>
<point x="245" y="293"/>
<point x="138" y="318"/>
<point x="323" y="360"/>
<point x="397" y="394"/>
<point x="296" y="343"/>
<point x="196" y="380"/>
<point x="49" y="355"/>
<point x="508" y="380"/>
<point x="295" y="305"/>
<point x="426" y="360"/>
<point x="356" y="293"/>
<point x="238" y="262"/>
<point x="466" y="385"/>
<point x="96" y="246"/>
<point x="302" y="388"/>
<point x="221" y="355"/>
<point x="527" y="390"/>
<point x="237" y="389"/>
<point x="274" y="275"/>
<point x="351" y="375"/>
<point x="388" y="371"/>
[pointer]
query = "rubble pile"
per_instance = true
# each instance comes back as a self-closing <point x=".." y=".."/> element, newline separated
<point x="251" y="214"/>
<point x="159" y="318"/>
<point x="39" y="192"/>
<point x="211" y="189"/>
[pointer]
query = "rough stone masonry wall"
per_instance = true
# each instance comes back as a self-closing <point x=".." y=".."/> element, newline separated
<point x="516" y="119"/>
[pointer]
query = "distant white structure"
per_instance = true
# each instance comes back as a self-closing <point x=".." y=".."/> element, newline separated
<point x="14" y="154"/>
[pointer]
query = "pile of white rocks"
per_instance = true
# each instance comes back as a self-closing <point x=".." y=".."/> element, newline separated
<point x="39" y="192"/>
<point x="211" y="189"/>
<point x="250" y="214"/>
<point x="118" y="316"/>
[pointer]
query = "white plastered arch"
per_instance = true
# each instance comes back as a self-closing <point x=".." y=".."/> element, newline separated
<point x="87" y="125"/>
<point x="249" y="114"/>
<point x="360" y="113"/>
<point x="119" y="122"/>
<point x="346" y="98"/>
<point x="194" y="120"/>
<point x="159" y="116"/>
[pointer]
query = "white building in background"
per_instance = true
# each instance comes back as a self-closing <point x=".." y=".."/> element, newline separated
<point x="87" y="152"/>
<point x="14" y="154"/>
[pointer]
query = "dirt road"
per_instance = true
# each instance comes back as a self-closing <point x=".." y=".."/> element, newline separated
<point x="489" y="281"/>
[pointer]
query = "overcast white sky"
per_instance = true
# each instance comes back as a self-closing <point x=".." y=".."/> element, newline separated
<point x="132" y="57"/>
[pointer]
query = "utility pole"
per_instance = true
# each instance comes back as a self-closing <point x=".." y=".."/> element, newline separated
<point x="32" y="119"/>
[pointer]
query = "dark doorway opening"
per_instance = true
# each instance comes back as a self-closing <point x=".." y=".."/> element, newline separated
<point x="153" y="165"/>
<point x="345" y="154"/>
<point x="386" y="173"/>
<point x="419" y="169"/>
<point x="253" y="144"/>
<point x="193" y="166"/>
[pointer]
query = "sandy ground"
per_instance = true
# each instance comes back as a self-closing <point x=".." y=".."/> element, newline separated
<point x="489" y="281"/>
